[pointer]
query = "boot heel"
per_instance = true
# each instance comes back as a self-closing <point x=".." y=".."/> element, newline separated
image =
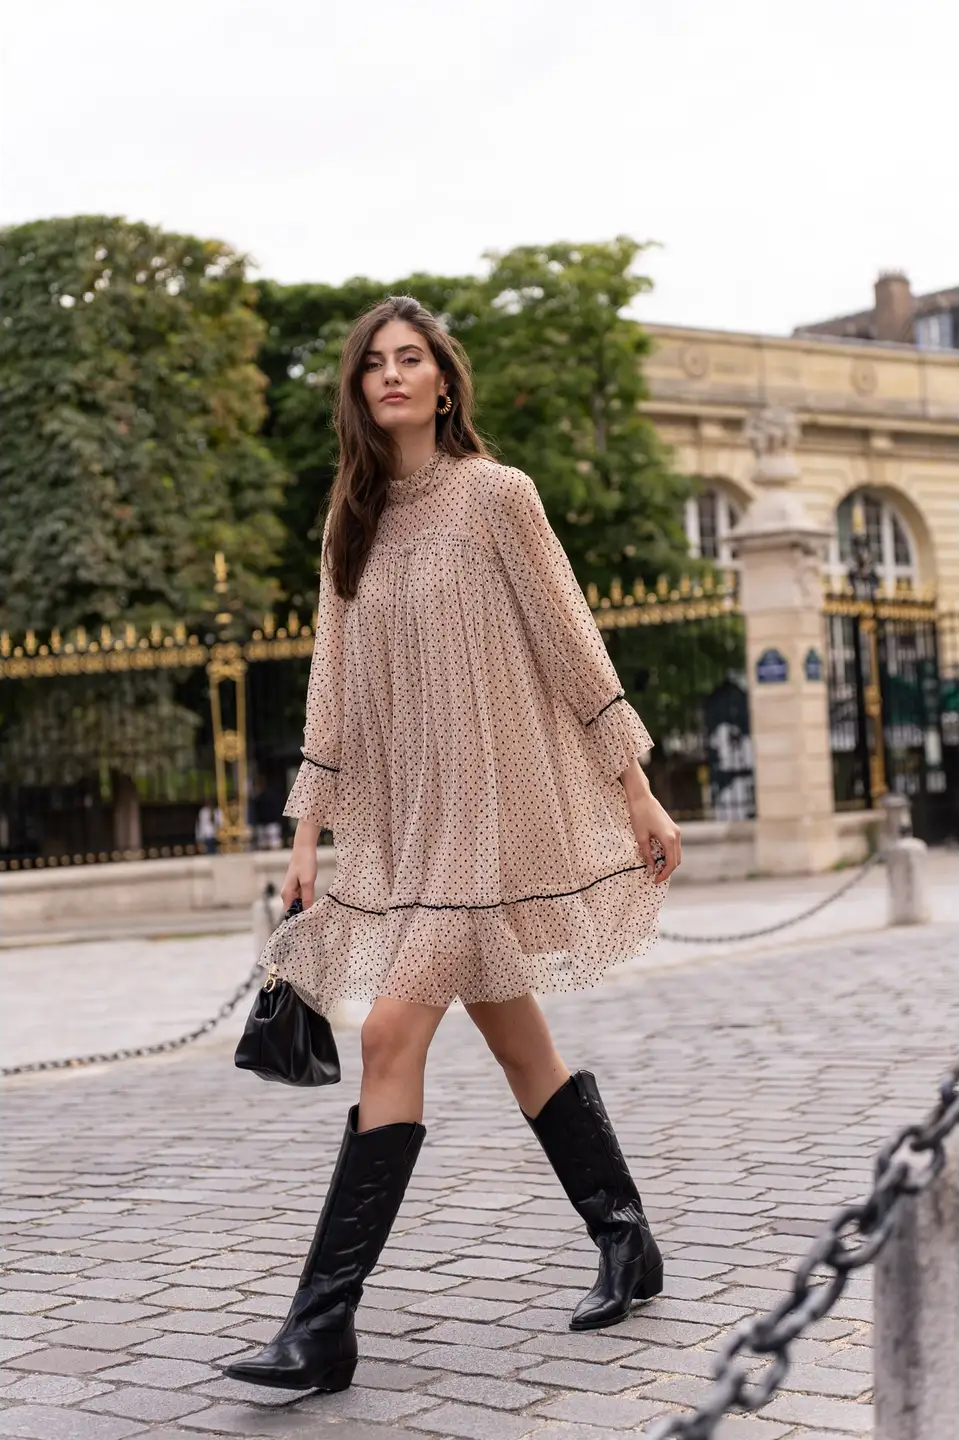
<point x="651" y="1283"/>
<point x="337" y="1377"/>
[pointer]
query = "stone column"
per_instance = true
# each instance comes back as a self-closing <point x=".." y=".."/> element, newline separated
<point x="780" y="553"/>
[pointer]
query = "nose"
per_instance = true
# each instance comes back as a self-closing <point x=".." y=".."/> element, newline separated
<point x="391" y="372"/>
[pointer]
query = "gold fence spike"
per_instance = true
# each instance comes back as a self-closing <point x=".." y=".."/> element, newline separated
<point x="662" y="587"/>
<point x="30" y="643"/>
<point x="709" y="582"/>
<point x="5" y="646"/>
<point x="616" y="591"/>
<point x="106" y="637"/>
<point x="685" y="585"/>
<point x="292" y="623"/>
<point x="179" y="633"/>
<point x="639" y="592"/>
<point x="129" y="635"/>
<point x="269" y="625"/>
<point x="156" y="633"/>
<point x="592" y="595"/>
<point x="80" y="638"/>
<point x="55" y="641"/>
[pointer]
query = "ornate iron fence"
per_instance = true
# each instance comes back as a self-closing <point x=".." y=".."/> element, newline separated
<point x="110" y="744"/>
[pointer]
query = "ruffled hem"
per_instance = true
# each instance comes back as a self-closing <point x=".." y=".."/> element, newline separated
<point x="431" y="955"/>
<point x="313" y="796"/>
<point x="618" y="735"/>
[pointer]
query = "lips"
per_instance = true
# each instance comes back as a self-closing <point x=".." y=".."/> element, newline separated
<point x="394" y="399"/>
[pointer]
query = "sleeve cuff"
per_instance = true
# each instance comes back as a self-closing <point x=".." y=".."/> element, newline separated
<point x="617" y="735"/>
<point x="313" y="796"/>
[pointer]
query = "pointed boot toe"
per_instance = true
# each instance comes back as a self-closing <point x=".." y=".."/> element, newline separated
<point x="292" y="1369"/>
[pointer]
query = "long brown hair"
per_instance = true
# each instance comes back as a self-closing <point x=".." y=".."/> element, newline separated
<point x="368" y="456"/>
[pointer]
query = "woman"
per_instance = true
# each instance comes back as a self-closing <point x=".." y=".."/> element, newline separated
<point x="469" y="742"/>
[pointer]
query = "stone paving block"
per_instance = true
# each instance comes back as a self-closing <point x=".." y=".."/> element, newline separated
<point x="29" y="1302"/>
<point x="106" y="1312"/>
<point x="387" y="1375"/>
<point x="425" y="1281"/>
<point x="464" y="1307"/>
<point x="473" y="1423"/>
<point x="91" y="1289"/>
<point x="12" y="1349"/>
<point x="513" y="1290"/>
<point x="53" y="1389"/>
<point x="388" y="1322"/>
<point x="391" y="1347"/>
<point x="192" y="1297"/>
<point x="163" y="1374"/>
<point x="497" y="1394"/>
<point x="53" y="1422"/>
<point x="828" y="1414"/>
<point x="461" y="1332"/>
<point x="609" y="1412"/>
<point x="479" y="1267"/>
<point x="30" y="1280"/>
<point x="27" y="1327"/>
<point x="464" y="1359"/>
<point x="581" y="1375"/>
<point x="829" y="1380"/>
<point x="61" y="1360"/>
<point x="138" y="1402"/>
<point x="371" y="1405"/>
<point x="192" y="1347"/>
<point x="598" y="1347"/>
<point x="249" y="1421"/>
<point x="195" y="1322"/>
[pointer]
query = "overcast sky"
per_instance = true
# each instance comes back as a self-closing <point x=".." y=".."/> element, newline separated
<point x="781" y="153"/>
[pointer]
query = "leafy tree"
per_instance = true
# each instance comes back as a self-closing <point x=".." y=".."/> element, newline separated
<point x="131" y="403"/>
<point x="560" y="383"/>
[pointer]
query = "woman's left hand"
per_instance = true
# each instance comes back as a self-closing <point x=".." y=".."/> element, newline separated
<point x="650" y="822"/>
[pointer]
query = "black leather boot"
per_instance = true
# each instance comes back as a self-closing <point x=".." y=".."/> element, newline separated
<point x="315" y="1347"/>
<point x="580" y="1143"/>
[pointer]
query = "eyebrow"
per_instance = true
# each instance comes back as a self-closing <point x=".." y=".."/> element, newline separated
<point x="379" y="354"/>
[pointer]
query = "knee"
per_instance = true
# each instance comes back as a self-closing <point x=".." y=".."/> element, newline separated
<point x="384" y="1046"/>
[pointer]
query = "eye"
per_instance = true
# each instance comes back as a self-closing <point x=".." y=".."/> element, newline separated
<point x="371" y="364"/>
<point x="411" y="360"/>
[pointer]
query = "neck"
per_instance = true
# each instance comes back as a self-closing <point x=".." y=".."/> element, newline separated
<point x="416" y="448"/>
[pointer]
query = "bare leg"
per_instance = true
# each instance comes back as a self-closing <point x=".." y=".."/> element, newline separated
<point x="395" y="1040"/>
<point x="517" y="1034"/>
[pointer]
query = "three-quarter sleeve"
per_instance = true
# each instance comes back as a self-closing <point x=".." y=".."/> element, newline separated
<point x="566" y="643"/>
<point x="314" y="791"/>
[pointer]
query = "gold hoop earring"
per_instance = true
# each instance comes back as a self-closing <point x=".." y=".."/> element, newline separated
<point x="446" y="406"/>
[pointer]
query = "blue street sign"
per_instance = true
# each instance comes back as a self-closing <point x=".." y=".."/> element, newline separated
<point x="812" y="665"/>
<point x="772" y="668"/>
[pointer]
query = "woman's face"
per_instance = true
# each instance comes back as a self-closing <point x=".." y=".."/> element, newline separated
<point x="401" y="380"/>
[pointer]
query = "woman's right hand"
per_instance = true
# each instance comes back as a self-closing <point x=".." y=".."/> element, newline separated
<point x="301" y="872"/>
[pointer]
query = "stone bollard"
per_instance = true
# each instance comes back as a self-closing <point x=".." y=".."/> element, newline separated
<point x="916" y="1361"/>
<point x="906" y="861"/>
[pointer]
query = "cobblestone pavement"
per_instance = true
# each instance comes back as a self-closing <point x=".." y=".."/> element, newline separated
<point x="156" y="1214"/>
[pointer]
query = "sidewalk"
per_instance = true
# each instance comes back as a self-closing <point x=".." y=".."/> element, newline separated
<point x="157" y="1212"/>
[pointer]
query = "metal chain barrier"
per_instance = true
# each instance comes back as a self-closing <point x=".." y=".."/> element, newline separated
<point x="851" y="1239"/>
<point x="847" y="885"/>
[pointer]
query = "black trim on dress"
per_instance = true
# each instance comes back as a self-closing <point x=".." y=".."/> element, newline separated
<point x="620" y="696"/>
<point x="494" y="905"/>
<point x="320" y="766"/>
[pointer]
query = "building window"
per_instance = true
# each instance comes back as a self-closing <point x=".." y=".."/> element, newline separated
<point x="936" y="332"/>
<point x="893" y="551"/>
<point x="709" y="519"/>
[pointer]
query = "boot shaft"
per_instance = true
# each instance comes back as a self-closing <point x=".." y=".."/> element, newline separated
<point x="369" y="1180"/>
<point x="581" y="1145"/>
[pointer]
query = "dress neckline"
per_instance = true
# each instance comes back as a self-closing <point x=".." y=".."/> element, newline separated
<point x="407" y="487"/>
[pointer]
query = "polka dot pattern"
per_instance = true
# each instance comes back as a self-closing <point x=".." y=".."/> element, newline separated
<point x="464" y="736"/>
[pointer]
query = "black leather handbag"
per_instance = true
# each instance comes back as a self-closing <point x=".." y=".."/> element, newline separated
<point x="284" y="1039"/>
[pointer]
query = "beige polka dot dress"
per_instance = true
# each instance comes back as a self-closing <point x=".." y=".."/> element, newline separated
<point x="465" y="731"/>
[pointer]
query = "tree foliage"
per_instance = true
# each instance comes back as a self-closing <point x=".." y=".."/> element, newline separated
<point x="132" y="405"/>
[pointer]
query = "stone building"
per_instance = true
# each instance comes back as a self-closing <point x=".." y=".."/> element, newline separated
<point x="876" y="396"/>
